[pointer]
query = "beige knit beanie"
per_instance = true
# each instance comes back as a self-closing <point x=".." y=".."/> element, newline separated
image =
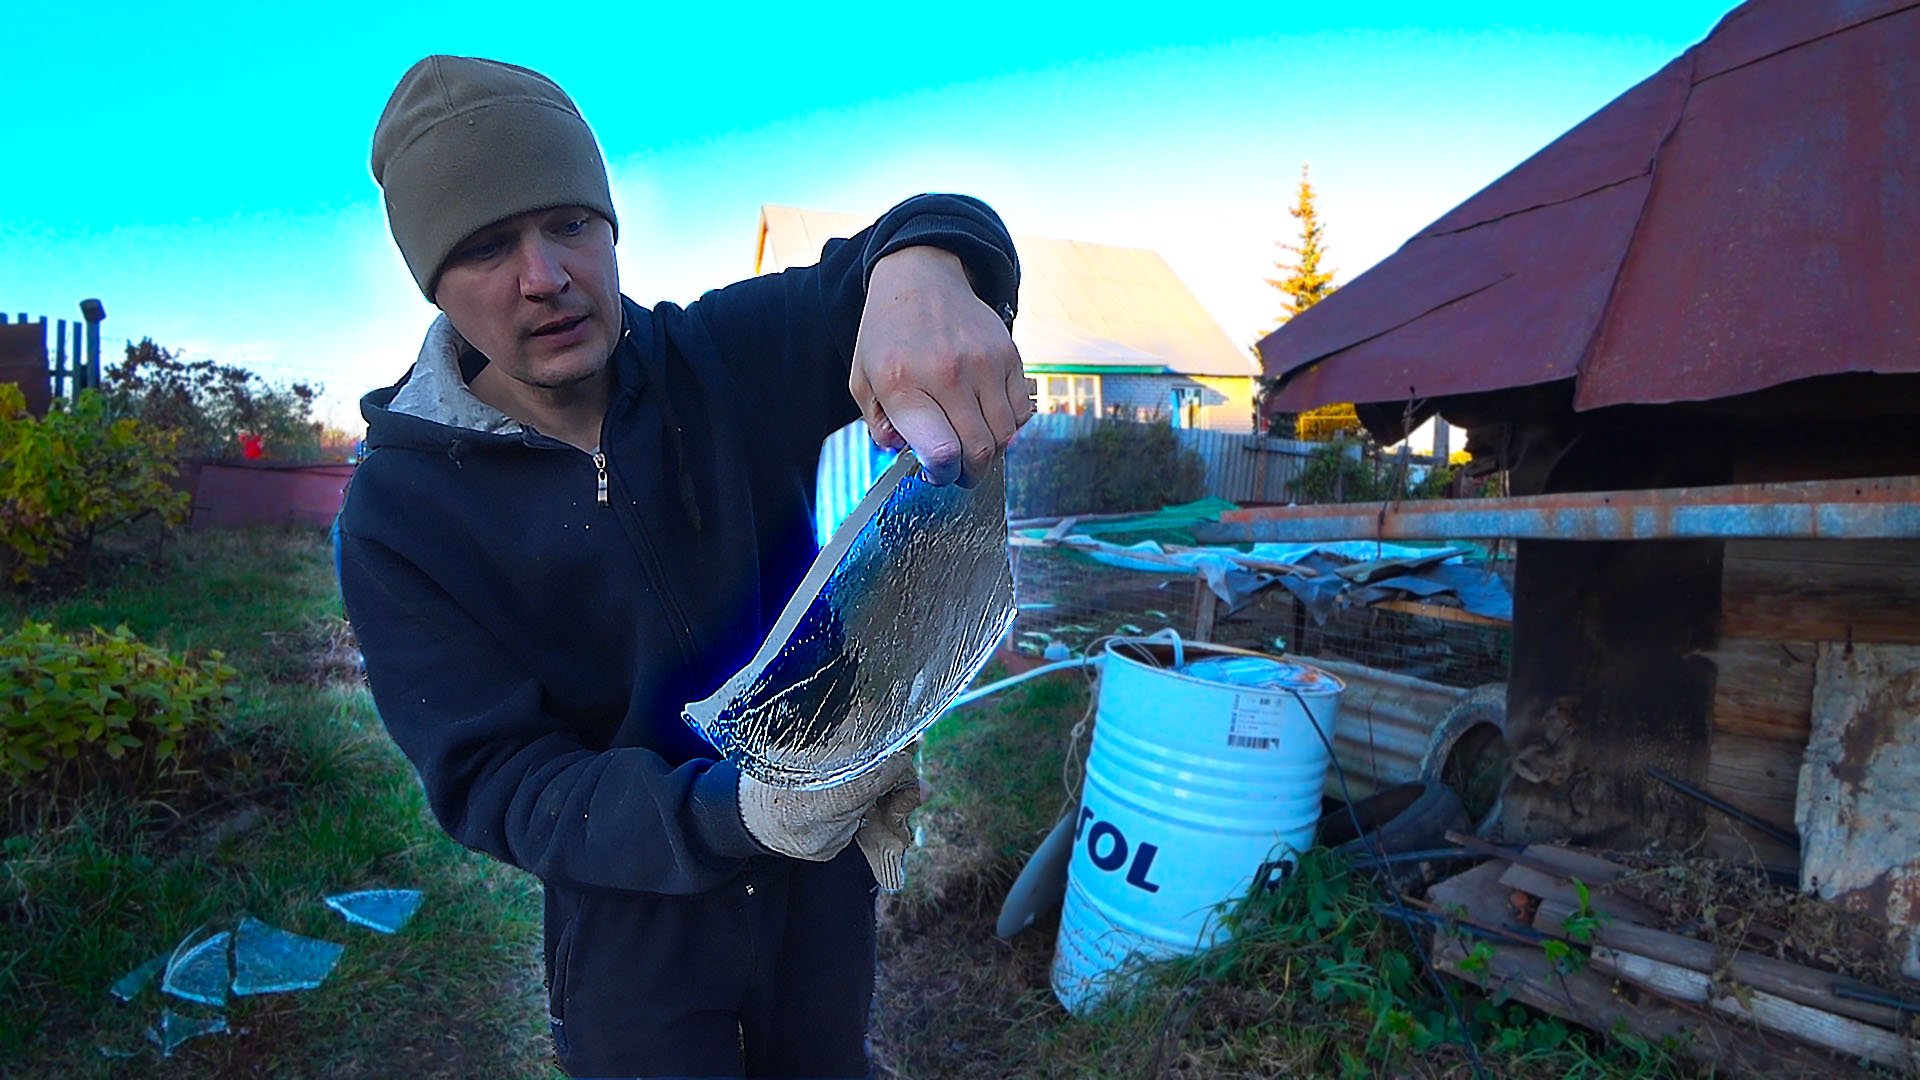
<point x="464" y="143"/>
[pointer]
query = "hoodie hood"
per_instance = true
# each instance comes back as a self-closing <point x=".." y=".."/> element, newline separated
<point x="431" y="407"/>
<point x="435" y="390"/>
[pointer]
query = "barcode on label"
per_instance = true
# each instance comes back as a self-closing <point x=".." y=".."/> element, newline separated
<point x="1247" y="742"/>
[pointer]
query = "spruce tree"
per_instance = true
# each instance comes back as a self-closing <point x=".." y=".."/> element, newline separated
<point x="1303" y="282"/>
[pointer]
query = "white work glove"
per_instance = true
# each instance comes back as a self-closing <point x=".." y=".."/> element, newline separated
<point x="884" y="836"/>
<point x="818" y="824"/>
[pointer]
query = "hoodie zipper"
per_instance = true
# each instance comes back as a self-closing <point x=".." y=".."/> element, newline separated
<point x="600" y="479"/>
<point x="656" y="574"/>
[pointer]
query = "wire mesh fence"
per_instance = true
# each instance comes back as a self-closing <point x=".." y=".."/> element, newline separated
<point x="1068" y="600"/>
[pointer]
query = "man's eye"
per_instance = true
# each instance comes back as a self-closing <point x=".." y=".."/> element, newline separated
<point x="574" y="227"/>
<point x="478" y="252"/>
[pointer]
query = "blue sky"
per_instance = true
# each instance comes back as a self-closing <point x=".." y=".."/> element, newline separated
<point x="202" y="168"/>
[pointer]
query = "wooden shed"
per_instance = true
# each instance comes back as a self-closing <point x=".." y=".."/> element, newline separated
<point x="1670" y="331"/>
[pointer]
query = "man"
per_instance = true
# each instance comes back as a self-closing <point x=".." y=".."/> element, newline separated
<point x="577" y="514"/>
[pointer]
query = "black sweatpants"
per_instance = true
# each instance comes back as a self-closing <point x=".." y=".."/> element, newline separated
<point x="768" y="975"/>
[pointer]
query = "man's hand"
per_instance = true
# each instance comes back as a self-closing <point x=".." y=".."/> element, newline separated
<point x="934" y="368"/>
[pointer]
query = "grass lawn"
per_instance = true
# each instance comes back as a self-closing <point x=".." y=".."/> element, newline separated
<point x="299" y="796"/>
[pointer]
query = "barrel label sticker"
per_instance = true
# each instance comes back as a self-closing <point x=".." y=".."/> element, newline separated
<point x="1258" y="721"/>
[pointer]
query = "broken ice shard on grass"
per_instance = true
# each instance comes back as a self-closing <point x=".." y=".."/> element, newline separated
<point x="174" y="1030"/>
<point x="385" y="910"/>
<point x="892" y="621"/>
<point x="198" y="971"/>
<point x="268" y="960"/>
<point x="128" y="986"/>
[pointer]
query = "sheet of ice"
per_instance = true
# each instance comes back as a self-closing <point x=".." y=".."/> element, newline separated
<point x="269" y="960"/>
<point x="385" y="910"/>
<point x="199" y="971"/>
<point x="128" y="986"/>
<point x="174" y="1030"/>
<point x="892" y="621"/>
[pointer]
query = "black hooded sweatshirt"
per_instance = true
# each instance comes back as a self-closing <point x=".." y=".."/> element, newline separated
<point x="530" y="646"/>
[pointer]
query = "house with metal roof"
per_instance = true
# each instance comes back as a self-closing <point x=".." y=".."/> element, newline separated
<point x="1103" y="330"/>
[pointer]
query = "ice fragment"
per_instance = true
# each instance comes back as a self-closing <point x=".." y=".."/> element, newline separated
<point x="199" y="971"/>
<point x="268" y="960"/>
<point x="385" y="910"/>
<point x="174" y="1030"/>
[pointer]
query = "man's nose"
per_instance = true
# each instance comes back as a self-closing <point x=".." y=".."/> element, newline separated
<point x="541" y="272"/>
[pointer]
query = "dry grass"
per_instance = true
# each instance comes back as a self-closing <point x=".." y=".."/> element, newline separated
<point x="1734" y="906"/>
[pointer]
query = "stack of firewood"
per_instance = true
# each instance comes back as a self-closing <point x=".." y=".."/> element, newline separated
<point x="1575" y="935"/>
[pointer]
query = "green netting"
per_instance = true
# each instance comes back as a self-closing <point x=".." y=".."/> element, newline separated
<point x="1168" y="525"/>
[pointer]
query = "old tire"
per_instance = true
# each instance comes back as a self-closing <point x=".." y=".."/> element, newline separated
<point x="1410" y="817"/>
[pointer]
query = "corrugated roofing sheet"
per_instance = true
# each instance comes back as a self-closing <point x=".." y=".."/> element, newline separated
<point x="1741" y="219"/>
<point x="1080" y="303"/>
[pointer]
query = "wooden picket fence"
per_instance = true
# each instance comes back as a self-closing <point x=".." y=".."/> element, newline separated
<point x="44" y="373"/>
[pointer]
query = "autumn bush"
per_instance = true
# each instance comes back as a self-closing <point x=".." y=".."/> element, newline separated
<point x="77" y="708"/>
<point x="73" y="474"/>
<point x="219" y="411"/>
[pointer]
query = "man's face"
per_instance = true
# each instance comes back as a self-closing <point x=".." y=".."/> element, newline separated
<point x="538" y="294"/>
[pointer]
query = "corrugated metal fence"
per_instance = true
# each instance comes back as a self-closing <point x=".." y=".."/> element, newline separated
<point x="1240" y="467"/>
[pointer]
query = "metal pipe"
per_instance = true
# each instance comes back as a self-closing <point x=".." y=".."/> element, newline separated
<point x="1768" y="828"/>
<point x="1885" y="508"/>
<point x="995" y="687"/>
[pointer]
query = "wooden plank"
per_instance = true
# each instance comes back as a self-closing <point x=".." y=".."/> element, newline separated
<point x="1548" y="887"/>
<point x="1205" y="607"/>
<point x="1763" y="689"/>
<point x="1792" y="553"/>
<point x="1439" y="611"/>
<point x="1822" y="1029"/>
<point x="1589" y="997"/>
<point x="1759" y="776"/>
<point x="1829" y="593"/>
<point x="1792" y="981"/>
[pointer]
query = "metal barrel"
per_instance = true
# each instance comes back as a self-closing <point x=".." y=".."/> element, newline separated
<point x="1197" y="790"/>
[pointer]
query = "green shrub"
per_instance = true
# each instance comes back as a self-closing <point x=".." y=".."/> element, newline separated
<point x="72" y="474"/>
<point x="97" y="703"/>
<point x="1355" y="470"/>
<point x="1118" y="466"/>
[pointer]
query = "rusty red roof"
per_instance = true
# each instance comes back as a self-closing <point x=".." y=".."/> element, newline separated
<point x="1747" y="216"/>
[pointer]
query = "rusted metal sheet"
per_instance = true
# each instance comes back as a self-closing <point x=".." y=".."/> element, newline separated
<point x="1795" y="168"/>
<point x="1390" y="727"/>
<point x="1756" y="31"/>
<point x="23" y="361"/>
<point x="1750" y="200"/>
<point x="234" y="496"/>
<point x="1877" y="509"/>
<point x="1858" y="807"/>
